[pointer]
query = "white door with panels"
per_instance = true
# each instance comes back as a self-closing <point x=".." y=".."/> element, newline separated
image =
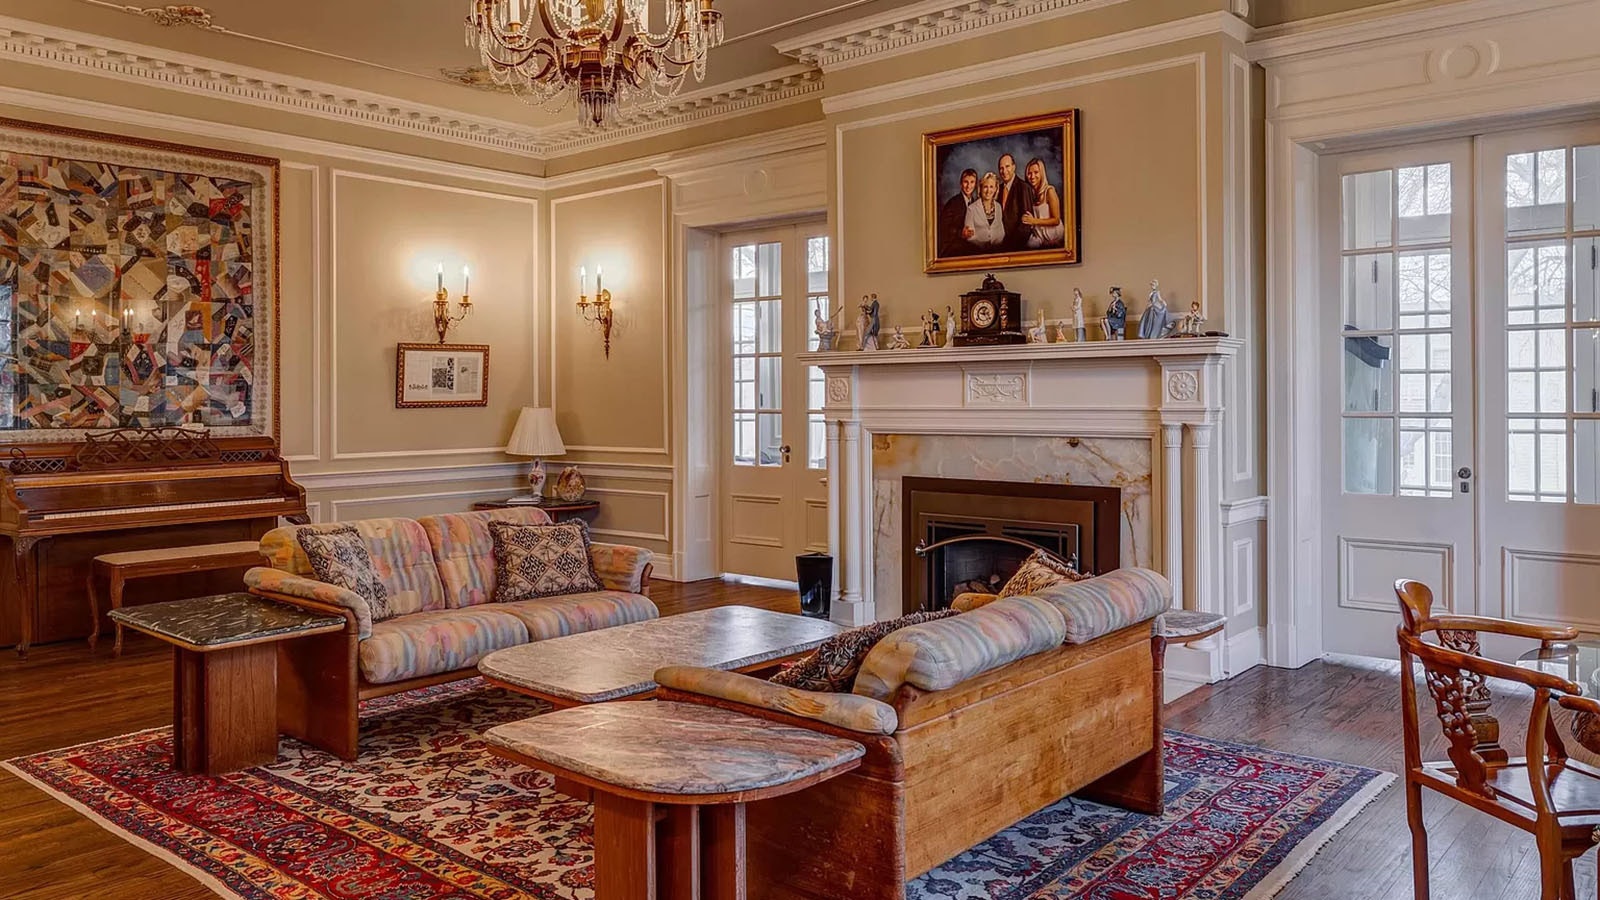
<point x="773" y="448"/>
<point x="1460" y="381"/>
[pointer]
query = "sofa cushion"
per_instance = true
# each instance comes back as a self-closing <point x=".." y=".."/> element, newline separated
<point x="463" y="550"/>
<point x="1110" y="602"/>
<point x="553" y="617"/>
<point x="400" y="554"/>
<point x="1039" y="571"/>
<point x="435" y="642"/>
<point x="532" y="561"/>
<point x="832" y="667"/>
<point x="935" y="656"/>
<point x="339" y="557"/>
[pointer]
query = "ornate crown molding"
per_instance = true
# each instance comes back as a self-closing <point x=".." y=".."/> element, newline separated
<point x="29" y="42"/>
<point x="929" y="23"/>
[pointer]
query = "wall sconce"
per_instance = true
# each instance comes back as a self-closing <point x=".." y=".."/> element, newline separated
<point x="601" y="307"/>
<point x="442" y="320"/>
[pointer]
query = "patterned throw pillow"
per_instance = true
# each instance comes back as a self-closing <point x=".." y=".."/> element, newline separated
<point x="533" y="561"/>
<point x="832" y="667"/>
<point x="1039" y="571"/>
<point x="339" y="557"/>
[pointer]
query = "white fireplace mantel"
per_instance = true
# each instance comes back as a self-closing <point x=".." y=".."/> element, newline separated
<point x="1158" y="390"/>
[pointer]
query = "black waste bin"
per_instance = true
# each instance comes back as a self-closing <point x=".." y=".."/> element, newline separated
<point x="814" y="571"/>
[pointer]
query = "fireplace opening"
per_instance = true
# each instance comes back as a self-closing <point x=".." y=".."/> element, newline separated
<point x="992" y="526"/>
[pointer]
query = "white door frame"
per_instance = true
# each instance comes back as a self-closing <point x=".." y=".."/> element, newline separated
<point x="1352" y="83"/>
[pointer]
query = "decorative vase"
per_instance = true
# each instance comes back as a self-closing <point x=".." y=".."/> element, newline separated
<point x="536" y="478"/>
<point x="569" y="486"/>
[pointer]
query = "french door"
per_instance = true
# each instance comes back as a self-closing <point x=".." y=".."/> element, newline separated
<point x="774" y="448"/>
<point x="1460" y="353"/>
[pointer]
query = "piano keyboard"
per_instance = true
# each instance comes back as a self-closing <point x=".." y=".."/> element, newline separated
<point x="171" y="507"/>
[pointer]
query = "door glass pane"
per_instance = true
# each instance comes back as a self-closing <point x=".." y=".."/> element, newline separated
<point x="1586" y="280"/>
<point x="1369" y="456"/>
<point x="1369" y="292"/>
<point x="769" y="270"/>
<point x="756" y="350"/>
<point x="1536" y="192"/>
<point x="769" y="337"/>
<point x="1369" y="210"/>
<point x="818" y="437"/>
<point x="1586" y="457"/>
<point x="769" y="435"/>
<point x="1536" y="283"/>
<point x="744" y="384"/>
<point x="1368" y="384"/>
<point x="743" y="268"/>
<point x="817" y="265"/>
<point x="744" y="327"/>
<point x="1586" y="370"/>
<point x="744" y="439"/>
<point x="820" y="307"/>
<point x="769" y="382"/>
<point x="1424" y="204"/>
<point x="1586" y="188"/>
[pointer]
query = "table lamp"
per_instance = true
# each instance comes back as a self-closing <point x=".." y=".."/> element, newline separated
<point x="536" y="435"/>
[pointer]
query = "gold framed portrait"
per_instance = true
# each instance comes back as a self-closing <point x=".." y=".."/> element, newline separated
<point x="1002" y="195"/>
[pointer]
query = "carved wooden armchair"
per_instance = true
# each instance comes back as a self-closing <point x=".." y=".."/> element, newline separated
<point x="1544" y="793"/>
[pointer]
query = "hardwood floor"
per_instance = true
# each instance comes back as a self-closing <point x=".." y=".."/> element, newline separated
<point x="1342" y="709"/>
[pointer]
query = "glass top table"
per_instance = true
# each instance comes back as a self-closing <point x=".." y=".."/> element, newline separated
<point x="1578" y="662"/>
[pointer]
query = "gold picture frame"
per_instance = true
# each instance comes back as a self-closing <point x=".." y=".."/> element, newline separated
<point x="441" y="376"/>
<point x="957" y="239"/>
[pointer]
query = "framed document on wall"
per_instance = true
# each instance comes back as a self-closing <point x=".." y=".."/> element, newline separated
<point x="441" y="375"/>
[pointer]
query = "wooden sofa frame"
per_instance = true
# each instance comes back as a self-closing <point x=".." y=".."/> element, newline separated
<point x="963" y="764"/>
<point x="320" y="686"/>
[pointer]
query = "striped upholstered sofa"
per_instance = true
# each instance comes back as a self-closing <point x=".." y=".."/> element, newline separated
<point x="971" y="723"/>
<point x="439" y="574"/>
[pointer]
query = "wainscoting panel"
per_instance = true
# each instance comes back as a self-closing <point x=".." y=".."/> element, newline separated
<point x="1368" y="570"/>
<point x="1551" y="588"/>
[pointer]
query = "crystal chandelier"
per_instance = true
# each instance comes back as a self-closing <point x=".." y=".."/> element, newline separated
<point x="603" y="52"/>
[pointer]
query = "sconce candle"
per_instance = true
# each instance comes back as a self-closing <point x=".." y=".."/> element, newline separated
<point x="466" y="282"/>
<point x="601" y="306"/>
<point x="442" y="320"/>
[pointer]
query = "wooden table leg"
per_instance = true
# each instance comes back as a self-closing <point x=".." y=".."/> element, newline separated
<point x="678" y="852"/>
<point x="224" y="709"/>
<point x="117" y="582"/>
<point x="624" y="848"/>
<point x="722" y="836"/>
<point x="94" y="611"/>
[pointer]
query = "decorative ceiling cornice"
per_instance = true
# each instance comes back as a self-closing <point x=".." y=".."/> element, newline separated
<point x="29" y="42"/>
<point x="922" y="25"/>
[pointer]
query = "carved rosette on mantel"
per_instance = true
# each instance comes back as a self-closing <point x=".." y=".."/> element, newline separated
<point x="1168" y="393"/>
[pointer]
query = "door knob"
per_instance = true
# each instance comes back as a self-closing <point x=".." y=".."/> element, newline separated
<point x="1463" y="473"/>
<point x="785" y="450"/>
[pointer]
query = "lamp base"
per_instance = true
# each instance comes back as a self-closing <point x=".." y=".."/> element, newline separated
<point x="536" y="478"/>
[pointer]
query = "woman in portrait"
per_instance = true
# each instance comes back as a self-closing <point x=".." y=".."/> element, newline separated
<point x="986" y="227"/>
<point x="1043" y="221"/>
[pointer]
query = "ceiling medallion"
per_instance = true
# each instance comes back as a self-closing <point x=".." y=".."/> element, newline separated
<point x="599" y="53"/>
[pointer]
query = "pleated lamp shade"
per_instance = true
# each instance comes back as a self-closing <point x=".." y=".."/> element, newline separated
<point x="536" y="434"/>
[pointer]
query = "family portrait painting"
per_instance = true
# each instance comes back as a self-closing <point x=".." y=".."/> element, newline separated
<point x="1002" y="195"/>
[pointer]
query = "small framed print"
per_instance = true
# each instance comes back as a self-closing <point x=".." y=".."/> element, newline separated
<point x="441" y="375"/>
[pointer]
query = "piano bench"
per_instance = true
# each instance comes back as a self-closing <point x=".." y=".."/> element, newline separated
<point x="117" y="569"/>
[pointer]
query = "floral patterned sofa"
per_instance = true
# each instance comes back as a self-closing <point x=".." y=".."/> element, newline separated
<point x="971" y="723"/>
<point x="439" y="573"/>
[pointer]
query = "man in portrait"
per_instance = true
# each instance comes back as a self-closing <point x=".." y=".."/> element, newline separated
<point x="953" y="232"/>
<point x="1016" y="201"/>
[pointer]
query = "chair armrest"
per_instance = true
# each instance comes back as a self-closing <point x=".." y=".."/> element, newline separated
<point x="1501" y="626"/>
<point x="1445" y="657"/>
<point x="970" y="601"/>
<point x="1579" y="704"/>
<point x="862" y="714"/>
<point x="620" y="567"/>
<point x="262" y="580"/>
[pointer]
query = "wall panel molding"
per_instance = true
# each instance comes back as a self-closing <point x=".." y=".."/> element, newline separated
<point x="318" y="311"/>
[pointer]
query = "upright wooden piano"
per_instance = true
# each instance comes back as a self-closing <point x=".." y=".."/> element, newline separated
<point x="61" y="505"/>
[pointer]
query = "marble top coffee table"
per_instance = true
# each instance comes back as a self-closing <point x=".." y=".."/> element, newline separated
<point x="670" y="784"/>
<point x="619" y="663"/>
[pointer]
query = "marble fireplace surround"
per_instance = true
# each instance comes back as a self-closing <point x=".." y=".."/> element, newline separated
<point x="1145" y="414"/>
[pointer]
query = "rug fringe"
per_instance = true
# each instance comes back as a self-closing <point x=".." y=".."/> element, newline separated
<point x="207" y="880"/>
<point x="1284" y="872"/>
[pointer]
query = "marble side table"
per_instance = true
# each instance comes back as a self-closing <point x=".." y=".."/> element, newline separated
<point x="225" y="674"/>
<point x="1185" y="626"/>
<point x="691" y="768"/>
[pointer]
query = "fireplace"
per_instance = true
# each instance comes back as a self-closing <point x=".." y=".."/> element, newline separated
<point x="992" y="527"/>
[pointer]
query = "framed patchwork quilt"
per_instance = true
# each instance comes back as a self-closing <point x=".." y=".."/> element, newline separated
<point x="138" y="286"/>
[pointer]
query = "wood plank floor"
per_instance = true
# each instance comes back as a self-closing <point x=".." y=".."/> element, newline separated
<point x="1343" y="709"/>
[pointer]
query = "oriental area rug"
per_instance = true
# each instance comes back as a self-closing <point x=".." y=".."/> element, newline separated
<point x="427" y="813"/>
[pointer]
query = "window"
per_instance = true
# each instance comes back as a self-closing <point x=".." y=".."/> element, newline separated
<point x="1552" y="247"/>
<point x="1396" y="297"/>
<point x="757" y="354"/>
<point x="817" y="303"/>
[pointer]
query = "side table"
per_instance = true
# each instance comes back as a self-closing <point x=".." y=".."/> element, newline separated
<point x="691" y="767"/>
<point x="224" y="674"/>
<point x="558" y="510"/>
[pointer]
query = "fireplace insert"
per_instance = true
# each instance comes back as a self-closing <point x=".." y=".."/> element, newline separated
<point x="985" y="529"/>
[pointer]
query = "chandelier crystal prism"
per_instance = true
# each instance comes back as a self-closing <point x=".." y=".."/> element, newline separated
<point x="600" y="53"/>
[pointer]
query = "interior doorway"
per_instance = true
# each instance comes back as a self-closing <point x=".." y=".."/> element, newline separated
<point x="1460" y="393"/>
<point x="773" y="449"/>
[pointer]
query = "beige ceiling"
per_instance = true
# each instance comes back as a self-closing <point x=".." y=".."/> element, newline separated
<point x="400" y="48"/>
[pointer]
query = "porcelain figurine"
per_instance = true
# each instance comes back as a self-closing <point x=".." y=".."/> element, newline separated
<point x="1115" y="322"/>
<point x="1039" y="334"/>
<point x="899" y="341"/>
<point x="868" y="323"/>
<point x="1157" y="321"/>
<point x="1079" y="332"/>
<point x="930" y="329"/>
<point x="827" y="329"/>
<point x="569" y="485"/>
<point x="952" y="326"/>
<point x="1192" y="323"/>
